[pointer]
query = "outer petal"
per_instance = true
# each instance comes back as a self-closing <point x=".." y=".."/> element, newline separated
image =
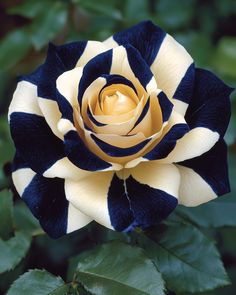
<point x="46" y="199"/>
<point x="205" y="177"/>
<point x="207" y="116"/>
<point x="90" y="196"/>
<point x="144" y="196"/>
<point x="35" y="141"/>
<point x="170" y="63"/>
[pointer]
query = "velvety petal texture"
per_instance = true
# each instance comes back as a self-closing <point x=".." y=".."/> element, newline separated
<point x="120" y="132"/>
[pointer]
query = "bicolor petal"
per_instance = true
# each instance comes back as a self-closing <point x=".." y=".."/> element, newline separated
<point x="204" y="178"/>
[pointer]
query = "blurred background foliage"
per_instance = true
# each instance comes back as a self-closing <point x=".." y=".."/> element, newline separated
<point x="207" y="28"/>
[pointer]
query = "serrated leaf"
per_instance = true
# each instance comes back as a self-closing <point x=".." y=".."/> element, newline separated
<point x="213" y="214"/>
<point x="13" y="48"/>
<point x="38" y="282"/>
<point x="6" y="208"/>
<point x="188" y="261"/>
<point x="13" y="251"/>
<point x="48" y="24"/>
<point x="117" y="268"/>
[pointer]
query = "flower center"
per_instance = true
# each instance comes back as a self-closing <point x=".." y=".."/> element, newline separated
<point x="117" y="103"/>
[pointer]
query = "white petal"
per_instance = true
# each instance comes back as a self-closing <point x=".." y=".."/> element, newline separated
<point x="89" y="195"/>
<point x="92" y="49"/>
<point x="25" y="99"/>
<point x="194" y="190"/>
<point x="51" y="114"/>
<point x="76" y="219"/>
<point x="170" y="66"/>
<point x="22" y="178"/>
<point x="193" y="144"/>
<point x="165" y="177"/>
<point x="63" y="168"/>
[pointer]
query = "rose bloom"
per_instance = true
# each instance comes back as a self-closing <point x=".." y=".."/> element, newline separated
<point x="120" y="132"/>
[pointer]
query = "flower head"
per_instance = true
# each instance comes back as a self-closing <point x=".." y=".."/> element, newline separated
<point x="119" y="131"/>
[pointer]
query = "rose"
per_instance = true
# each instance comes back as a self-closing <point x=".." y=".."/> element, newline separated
<point x="119" y="132"/>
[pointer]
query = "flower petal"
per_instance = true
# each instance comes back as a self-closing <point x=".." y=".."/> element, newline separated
<point x="170" y="63"/>
<point x="144" y="196"/>
<point x="46" y="199"/>
<point x="79" y="154"/>
<point x="204" y="178"/>
<point x="35" y="141"/>
<point x="207" y="116"/>
<point x="90" y="196"/>
<point x="145" y="36"/>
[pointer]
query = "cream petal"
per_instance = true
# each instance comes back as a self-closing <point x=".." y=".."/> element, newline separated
<point x="25" y="99"/>
<point x="76" y="219"/>
<point x="63" y="168"/>
<point x="170" y="66"/>
<point x="164" y="177"/>
<point x="22" y="178"/>
<point x="193" y="144"/>
<point x="92" y="49"/>
<point x="89" y="195"/>
<point x="193" y="189"/>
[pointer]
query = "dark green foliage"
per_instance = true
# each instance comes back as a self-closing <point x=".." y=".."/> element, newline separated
<point x="177" y="257"/>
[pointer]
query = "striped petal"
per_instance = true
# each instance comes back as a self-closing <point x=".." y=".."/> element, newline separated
<point x="204" y="178"/>
<point x="143" y="196"/>
<point x="90" y="196"/>
<point x="170" y="63"/>
<point x="35" y="141"/>
<point x="207" y="116"/>
<point x="46" y="199"/>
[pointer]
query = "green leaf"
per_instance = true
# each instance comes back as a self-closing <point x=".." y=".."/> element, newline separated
<point x="13" y="48"/>
<point x="38" y="282"/>
<point x="29" y="8"/>
<point x="48" y="24"/>
<point x="225" y="58"/>
<point x="188" y="261"/>
<point x="116" y="268"/>
<point x="13" y="251"/>
<point x="24" y="219"/>
<point x="102" y="7"/>
<point x="6" y="208"/>
<point x="213" y="214"/>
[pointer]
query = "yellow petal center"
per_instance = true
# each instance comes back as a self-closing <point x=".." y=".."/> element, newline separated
<point x="117" y="104"/>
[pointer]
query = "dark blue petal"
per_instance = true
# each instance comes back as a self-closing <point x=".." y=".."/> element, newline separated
<point x="210" y="104"/>
<point x="168" y="142"/>
<point x="59" y="59"/>
<point x="184" y="91"/>
<point x="166" y="106"/>
<point x="96" y="67"/>
<point x="47" y="201"/>
<point x="18" y="162"/>
<point x="117" y="79"/>
<point x="212" y="167"/>
<point x="79" y="154"/>
<point x="114" y="151"/>
<point x="133" y="204"/>
<point x="145" y="37"/>
<point x="35" y="141"/>
<point x="65" y="107"/>
<point x="149" y="205"/>
<point x="138" y="65"/>
<point x="91" y="117"/>
<point x="118" y="205"/>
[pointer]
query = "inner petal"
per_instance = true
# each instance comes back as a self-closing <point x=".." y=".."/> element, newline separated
<point x="117" y="104"/>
